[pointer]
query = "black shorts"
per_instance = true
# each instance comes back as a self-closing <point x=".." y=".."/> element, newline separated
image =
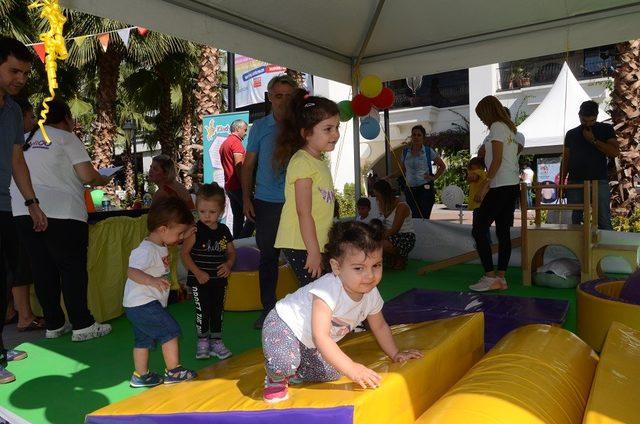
<point x="14" y="253"/>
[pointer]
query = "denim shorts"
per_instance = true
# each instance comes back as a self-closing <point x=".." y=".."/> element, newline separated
<point x="152" y="324"/>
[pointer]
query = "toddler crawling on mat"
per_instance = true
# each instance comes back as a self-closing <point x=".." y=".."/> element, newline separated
<point x="299" y="335"/>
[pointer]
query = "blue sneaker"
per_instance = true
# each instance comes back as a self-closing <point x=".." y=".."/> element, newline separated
<point x="6" y="376"/>
<point x="15" y="355"/>
<point x="178" y="375"/>
<point x="150" y="379"/>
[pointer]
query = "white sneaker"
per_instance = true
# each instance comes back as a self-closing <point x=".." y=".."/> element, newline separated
<point x="54" y="334"/>
<point x="91" y="332"/>
<point x="217" y="348"/>
<point x="488" y="283"/>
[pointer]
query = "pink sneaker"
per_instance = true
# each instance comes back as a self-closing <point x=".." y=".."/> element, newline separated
<point x="275" y="391"/>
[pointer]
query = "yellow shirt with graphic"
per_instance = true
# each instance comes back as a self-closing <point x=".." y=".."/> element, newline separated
<point x="302" y="166"/>
<point x="475" y="186"/>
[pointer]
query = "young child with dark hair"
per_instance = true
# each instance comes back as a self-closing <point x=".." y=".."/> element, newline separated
<point x="300" y="334"/>
<point x="363" y="209"/>
<point x="209" y="255"/>
<point x="147" y="290"/>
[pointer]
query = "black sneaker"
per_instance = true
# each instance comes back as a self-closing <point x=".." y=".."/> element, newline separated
<point x="150" y="379"/>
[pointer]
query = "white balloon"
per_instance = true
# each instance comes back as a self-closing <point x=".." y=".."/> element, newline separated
<point x="452" y="195"/>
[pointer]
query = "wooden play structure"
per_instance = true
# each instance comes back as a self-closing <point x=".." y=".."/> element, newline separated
<point x="583" y="240"/>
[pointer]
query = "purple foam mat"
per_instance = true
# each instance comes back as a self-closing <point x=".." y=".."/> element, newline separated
<point x="337" y="415"/>
<point x="501" y="313"/>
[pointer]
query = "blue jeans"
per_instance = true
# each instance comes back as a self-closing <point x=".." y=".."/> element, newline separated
<point x="152" y="323"/>
<point x="267" y="222"/>
<point x="420" y="201"/>
<point x="575" y="196"/>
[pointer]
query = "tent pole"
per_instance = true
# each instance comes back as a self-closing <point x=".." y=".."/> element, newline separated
<point x="365" y="42"/>
<point x="231" y="81"/>
<point x="387" y="136"/>
<point x="356" y="138"/>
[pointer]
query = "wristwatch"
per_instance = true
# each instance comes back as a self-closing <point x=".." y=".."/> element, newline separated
<point x="31" y="202"/>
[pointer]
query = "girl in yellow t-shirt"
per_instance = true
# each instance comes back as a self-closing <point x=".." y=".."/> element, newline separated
<point x="310" y="129"/>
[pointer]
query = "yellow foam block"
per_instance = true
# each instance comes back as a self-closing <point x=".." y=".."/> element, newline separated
<point x="596" y="314"/>
<point x="450" y="346"/>
<point x="536" y="374"/>
<point x="615" y="394"/>
<point x="243" y="291"/>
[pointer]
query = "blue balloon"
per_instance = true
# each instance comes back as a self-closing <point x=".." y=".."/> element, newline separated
<point x="369" y="128"/>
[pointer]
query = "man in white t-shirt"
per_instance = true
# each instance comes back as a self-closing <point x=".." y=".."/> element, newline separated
<point x="526" y="176"/>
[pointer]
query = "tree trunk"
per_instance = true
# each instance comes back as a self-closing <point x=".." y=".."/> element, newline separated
<point x="165" y="135"/>
<point x="186" y="150"/>
<point x="625" y="113"/>
<point x="104" y="128"/>
<point x="208" y="95"/>
<point x="129" y="175"/>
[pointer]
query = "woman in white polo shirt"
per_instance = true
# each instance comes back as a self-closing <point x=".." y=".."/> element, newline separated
<point x="59" y="171"/>
<point x="499" y="194"/>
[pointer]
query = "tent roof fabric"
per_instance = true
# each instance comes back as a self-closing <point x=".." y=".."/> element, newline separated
<point x="410" y="37"/>
<point x="545" y="128"/>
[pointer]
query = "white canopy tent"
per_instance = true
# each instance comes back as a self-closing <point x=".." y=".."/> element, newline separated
<point x="339" y="39"/>
<point x="545" y="128"/>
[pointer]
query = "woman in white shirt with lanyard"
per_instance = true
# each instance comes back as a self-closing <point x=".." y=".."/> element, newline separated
<point x="498" y="195"/>
<point x="59" y="171"/>
<point x="417" y="166"/>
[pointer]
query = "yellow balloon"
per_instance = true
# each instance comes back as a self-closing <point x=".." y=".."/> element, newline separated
<point x="370" y="86"/>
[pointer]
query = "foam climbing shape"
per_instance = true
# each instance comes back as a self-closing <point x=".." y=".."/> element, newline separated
<point x="243" y="291"/>
<point x="598" y="305"/>
<point x="536" y="374"/>
<point x="615" y="393"/>
<point x="231" y="391"/>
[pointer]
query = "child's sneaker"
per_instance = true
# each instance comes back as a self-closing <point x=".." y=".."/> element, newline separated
<point x="54" y="334"/>
<point x="178" y="375"/>
<point x="202" y="349"/>
<point x="150" y="379"/>
<point x="487" y="283"/>
<point x="217" y="348"/>
<point x="91" y="332"/>
<point x="6" y="376"/>
<point x="275" y="391"/>
<point x="15" y="355"/>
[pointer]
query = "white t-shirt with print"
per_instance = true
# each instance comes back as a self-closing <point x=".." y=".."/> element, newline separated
<point x="509" y="172"/>
<point x="154" y="260"/>
<point x="347" y="314"/>
<point x="55" y="182"/>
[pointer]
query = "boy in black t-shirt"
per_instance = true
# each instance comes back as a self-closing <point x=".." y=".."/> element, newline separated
<point x="209" y="255"/>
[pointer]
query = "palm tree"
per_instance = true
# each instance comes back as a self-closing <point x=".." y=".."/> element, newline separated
<point x="625" y="112"/>
<point x="208" y="93"/>
<point x="16" y="20"/>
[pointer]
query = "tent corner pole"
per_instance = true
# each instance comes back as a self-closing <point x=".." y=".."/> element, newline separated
<point x="356" y="139"/>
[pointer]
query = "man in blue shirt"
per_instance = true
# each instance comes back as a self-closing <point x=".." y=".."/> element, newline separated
<point x="15" y="65"/>
<point x="586" y="150"/>
<point x="266" y="205"/>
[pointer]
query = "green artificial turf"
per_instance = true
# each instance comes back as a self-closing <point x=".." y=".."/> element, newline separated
<point x="62" y="381"/>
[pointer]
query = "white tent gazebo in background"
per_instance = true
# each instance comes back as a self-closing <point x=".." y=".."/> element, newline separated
<point x="341" y="40"/>
<point x="545" y="128"/>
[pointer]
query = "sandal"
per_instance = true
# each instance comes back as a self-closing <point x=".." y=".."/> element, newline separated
<point x="36" y="324"/>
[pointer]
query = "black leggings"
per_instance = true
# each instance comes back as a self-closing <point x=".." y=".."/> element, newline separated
<point x="297" y="260"/>
<point x="497" y="206"/>
<point x="59" y="264"/>
<point x="209" y="302"/>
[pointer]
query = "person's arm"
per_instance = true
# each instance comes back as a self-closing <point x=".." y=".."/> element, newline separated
<point x="308" y="226"/>
<point x="609" y="147"/>
<point x="481" y="151"/>
<point x="202" y="276"/>
<point x="381" y="331"/>
<point x="21" y="176"/>
<point x="89" y="176"/>
<point x="402" y="212"/>
<point x="442" y="167"/>
<point x="238" y="158"/>
<point x="246" y="180"/>
<point x="331" y="352"/>
<point x="138" y="276"/>
<point x="225" y="269"/>
<point x="564" y="164"/>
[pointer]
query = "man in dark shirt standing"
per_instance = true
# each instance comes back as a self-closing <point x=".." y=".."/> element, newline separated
<point x="586" y="151"/>
<point x="232" y="154"/>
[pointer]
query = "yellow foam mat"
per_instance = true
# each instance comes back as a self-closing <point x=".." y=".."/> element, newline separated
<point x="243" y="291"/>
<point x="615" y="394"/>
<point x="450" y="346"/>
<point x="535" y="374"/>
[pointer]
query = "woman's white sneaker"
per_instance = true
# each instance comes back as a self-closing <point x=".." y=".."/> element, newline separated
<point x="54" y="334"/>
<point x="91" y="332"/>
<point x="488" y="283"/>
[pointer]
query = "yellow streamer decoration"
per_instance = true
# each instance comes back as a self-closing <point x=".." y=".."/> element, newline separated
<point x="54" y="48"/>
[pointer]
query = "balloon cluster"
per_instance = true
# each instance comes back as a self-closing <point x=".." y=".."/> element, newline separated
<point x="372" y="98"/>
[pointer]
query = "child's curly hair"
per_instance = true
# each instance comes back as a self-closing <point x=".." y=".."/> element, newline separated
<point x="357" y="235"/>
<point x="211" y="191"/>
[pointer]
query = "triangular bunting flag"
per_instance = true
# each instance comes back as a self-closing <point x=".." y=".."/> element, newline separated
<point x="39" y="48"/>
<point x="79" y="40"/>
<point x="124" y="35"/>
<point x="104" y="41"/>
